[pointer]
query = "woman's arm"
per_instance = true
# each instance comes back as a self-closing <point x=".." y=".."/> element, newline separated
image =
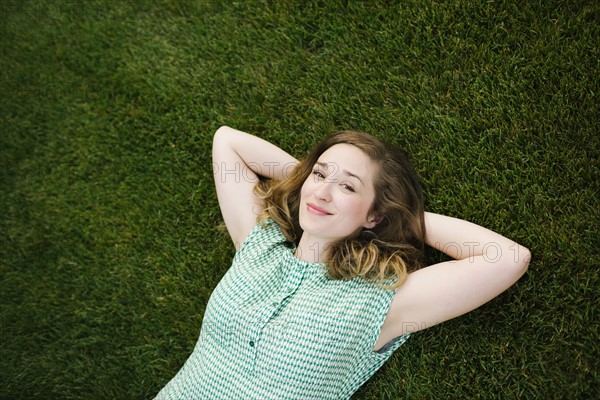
<point x="238" y="159"/>
<point x="486" y="264"/>
<point x="461" y="239"/>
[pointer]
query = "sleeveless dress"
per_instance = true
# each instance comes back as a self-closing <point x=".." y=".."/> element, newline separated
<point x="277" y="327"/>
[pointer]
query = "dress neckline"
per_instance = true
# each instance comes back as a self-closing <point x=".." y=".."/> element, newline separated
<point x="289" y="254"/>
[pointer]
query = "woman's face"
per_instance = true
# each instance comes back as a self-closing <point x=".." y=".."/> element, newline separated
<point x="335" y="199"/>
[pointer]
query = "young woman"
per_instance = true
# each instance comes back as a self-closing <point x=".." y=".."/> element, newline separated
<point x="326" y="282"/>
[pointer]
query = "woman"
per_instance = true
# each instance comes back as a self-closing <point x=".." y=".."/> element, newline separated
<point x="328" y="284"/>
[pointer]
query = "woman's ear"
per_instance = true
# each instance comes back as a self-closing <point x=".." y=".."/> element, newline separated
<point x="373" y="221"/>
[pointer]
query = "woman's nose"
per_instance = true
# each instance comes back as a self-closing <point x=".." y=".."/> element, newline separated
<point x="323" y="192"/>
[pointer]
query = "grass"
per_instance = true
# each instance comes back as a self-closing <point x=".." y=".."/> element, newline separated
<point x="109" y="250"/>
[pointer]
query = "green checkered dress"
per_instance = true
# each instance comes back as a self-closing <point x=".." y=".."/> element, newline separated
<point x="276" y="327"/>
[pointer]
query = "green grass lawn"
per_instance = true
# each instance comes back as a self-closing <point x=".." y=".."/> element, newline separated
<point x="110" y="249"/>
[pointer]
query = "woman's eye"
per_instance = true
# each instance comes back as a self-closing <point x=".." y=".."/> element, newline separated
<point x="348" y="187"/>
<point x="318" y="174"/>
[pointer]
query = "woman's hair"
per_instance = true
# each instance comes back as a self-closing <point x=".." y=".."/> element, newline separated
<point x="389" y="250"/>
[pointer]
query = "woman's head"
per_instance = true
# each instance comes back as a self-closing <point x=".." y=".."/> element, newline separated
<point x="393" y="221"/>
<point x="337" y="197"/>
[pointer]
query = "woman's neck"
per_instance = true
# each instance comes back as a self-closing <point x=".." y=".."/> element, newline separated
<point x="311" y="249"/>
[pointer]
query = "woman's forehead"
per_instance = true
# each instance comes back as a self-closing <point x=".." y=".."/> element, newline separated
<point x="349" y="159"/>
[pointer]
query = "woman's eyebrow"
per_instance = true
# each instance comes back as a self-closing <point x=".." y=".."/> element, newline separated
<point x="325" y="166"/>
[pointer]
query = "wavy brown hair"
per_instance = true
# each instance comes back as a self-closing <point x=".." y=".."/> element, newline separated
<point x="394" y="247"/>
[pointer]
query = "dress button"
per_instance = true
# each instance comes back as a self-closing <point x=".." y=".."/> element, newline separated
<point x="251" y="343"/>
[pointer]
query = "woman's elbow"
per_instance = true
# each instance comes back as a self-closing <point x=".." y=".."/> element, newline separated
<point x="221" y="131"/>
<point x="526" y="258"/>
<point x="222" y="139"/>
<point x="512" y="258"/>
<point x="520" y="259"/>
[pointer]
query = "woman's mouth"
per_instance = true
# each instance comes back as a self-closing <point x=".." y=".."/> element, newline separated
<point x="313" y="209"/>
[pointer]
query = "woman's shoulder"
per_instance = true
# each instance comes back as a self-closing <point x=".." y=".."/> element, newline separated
<point x="264" y="233"/>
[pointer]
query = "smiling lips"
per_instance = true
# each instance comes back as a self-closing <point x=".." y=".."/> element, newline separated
<point x="316" y="210"/>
